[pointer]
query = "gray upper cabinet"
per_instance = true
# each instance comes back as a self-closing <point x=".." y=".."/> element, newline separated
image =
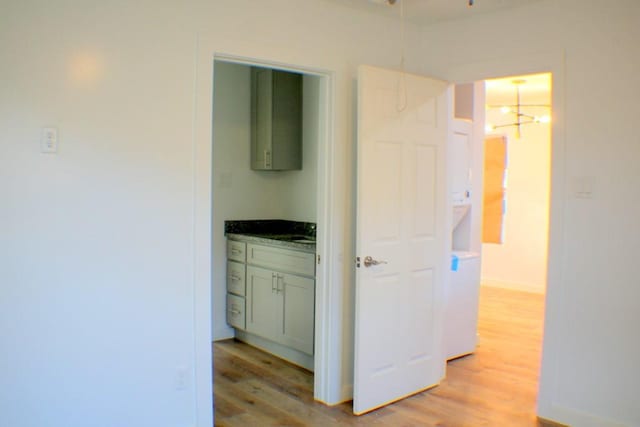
<point x="276" y="120"/>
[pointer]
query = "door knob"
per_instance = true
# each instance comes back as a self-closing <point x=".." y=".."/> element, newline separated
<point x="368" y="261"/>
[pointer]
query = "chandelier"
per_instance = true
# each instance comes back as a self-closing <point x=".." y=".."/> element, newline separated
<point x="521" y="114"/>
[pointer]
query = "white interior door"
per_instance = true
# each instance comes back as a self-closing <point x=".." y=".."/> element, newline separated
<point x="402" y="134"/>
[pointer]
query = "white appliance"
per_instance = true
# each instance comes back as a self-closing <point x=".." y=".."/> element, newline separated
<point x="461" y="305"/>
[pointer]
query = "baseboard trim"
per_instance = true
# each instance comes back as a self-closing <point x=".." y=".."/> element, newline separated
<point x="346" y="393"/>
<point x="289" y="354"/>
<point x="544" y="422"/>
<point x="567" y="417"/>
<point x="223" y="333"/>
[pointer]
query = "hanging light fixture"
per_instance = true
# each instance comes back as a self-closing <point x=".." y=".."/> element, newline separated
<point x="520" y="112"/>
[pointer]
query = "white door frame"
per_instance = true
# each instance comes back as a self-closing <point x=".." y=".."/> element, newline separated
<point x="554" y="63"/>
<point x="203" y="205"/>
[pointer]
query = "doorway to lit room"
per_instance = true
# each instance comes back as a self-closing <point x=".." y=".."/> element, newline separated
<point x="515" y="229"/>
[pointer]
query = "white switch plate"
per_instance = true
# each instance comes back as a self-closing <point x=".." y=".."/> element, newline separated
<point x="49" y="141"/>
<point x="181" y="381"/>
<point x="583" y="187"/>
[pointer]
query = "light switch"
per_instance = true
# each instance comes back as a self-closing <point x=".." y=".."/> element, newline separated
<point x="583" y="187"/>
<point x="49" y="141"/>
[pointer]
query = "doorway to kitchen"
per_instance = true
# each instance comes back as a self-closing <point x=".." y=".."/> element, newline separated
<point x="243" y="193"/>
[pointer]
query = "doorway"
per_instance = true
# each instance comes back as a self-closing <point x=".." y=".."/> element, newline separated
<point x="515" y="303"/>
<point x="240" y="193"/>
<point x="517" y="170"/>
<point x="515" y="224"/>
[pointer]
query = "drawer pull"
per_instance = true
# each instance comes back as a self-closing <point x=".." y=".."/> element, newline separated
<point x="235" y="278"/>
<point x="235" y="251"/>
<point x="236" y="312"/>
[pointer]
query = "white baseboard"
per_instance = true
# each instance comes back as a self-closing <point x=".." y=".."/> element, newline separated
<point x="524" y="287"/>
<point x="287" y="353"/>
<point x="346" y="393"/>
<point x="571" y="417"/>
<point x="223" y="333"/>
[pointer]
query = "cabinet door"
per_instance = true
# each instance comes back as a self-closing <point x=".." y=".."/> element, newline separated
<point x="261" y="118"/>
<point x="263" y="303"/>
<point x="298" y="303"/>
<point x="286" y="125"/>
<point x="276" y="120"/>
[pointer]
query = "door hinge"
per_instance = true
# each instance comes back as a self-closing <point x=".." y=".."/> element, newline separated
<point x="318" y="258"/>
<point x="357" y="262"/>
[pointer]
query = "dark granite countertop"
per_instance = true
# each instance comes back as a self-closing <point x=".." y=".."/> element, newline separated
<point x="276" y="232"/>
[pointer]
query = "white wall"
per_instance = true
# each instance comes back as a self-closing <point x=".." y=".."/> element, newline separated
<point x="99" y="279"/>
<point x="96" y="286"/>
<point x="300" y="187"/>
<point x="240" y="193"/>
<point x="103" y="280"/>
<point x="589" y="368"/>
<point x="520" y="261"/>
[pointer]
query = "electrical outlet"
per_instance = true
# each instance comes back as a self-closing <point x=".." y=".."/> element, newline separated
<point x="49" y="140"/>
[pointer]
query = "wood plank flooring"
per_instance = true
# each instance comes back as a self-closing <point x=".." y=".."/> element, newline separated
<point x="496" y="386"/>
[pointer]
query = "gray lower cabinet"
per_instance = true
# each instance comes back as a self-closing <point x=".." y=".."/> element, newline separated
<point x="280" y="307"/>
<point x="272" y="294"/>
<point x="236" y="283"/>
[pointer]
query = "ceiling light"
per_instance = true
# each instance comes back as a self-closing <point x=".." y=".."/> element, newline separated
<point x="518" y="110"/>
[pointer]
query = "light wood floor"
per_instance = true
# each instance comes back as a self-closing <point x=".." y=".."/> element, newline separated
<point x="496" y="386"/>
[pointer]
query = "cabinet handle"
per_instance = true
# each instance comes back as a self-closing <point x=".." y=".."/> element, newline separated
<point x="235" y="251"/>
<point x="267" y="159"/>
<point x="236" y="312"/>
<point x="235" y="278"/>
<point x="274" y="283"/>
<point x="278" y="288"/>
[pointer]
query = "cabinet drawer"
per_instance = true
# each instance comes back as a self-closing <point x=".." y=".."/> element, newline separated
<point x="236" y="278"/>
<point x="235" y="311"/>
<point x="285" y="260"/>
<point x="236" y="251"/>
